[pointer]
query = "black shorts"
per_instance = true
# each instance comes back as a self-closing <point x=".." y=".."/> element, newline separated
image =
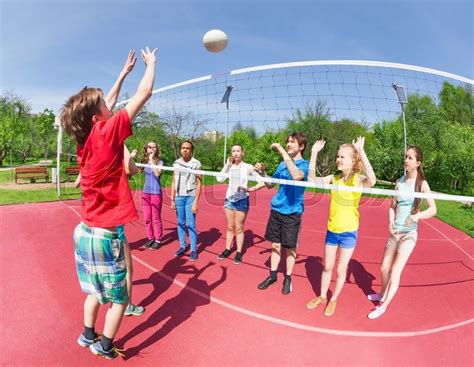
<point x="284" y="229"/>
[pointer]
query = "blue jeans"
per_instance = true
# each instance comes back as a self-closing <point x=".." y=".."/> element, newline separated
<point x="186" y="217"/>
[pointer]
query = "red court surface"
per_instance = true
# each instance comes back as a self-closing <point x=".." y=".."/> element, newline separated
<point x="210" y="313"/>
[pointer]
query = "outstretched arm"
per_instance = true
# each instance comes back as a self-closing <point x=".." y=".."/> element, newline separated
<point x="114" y="92"/>
<point x="370" y="178"/>
<point x="145" y="87"/>
<point x="260" y="168"/>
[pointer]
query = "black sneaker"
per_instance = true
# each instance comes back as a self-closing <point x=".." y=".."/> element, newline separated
<point x="149" y="243"/>
<point x="267" y="283"/>
<point x="287" y="288"/>
<point x="238" y="258"/>
<point x="156" y="245"/>
<point x="225" y="254"/>
<point x="180" y="252"/>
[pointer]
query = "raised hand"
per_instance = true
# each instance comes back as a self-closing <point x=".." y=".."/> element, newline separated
<point x="130" y="62"/>
<point x="359" y="144"/>
<point x="148" y="56"/>
<point x="134" y="153"/>
<point x="260" y="168"/>
<point x="276" y="146"/>
<point x="230" y="161"/>
<point x="318" y="146"/>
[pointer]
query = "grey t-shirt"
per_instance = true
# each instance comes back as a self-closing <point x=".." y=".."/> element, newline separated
<point x="185" y="182"/>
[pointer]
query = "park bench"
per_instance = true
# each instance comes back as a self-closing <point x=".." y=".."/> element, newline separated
<point x="31" y="172"/>
<point x="71" y="171"/>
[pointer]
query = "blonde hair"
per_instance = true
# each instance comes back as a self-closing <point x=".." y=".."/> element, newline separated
<point x="357" y="166"/>
<point x="76" y="114"/>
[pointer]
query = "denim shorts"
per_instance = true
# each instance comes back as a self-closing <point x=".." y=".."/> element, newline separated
<point x="240" y="205"/>
<point x="343" y="240"/>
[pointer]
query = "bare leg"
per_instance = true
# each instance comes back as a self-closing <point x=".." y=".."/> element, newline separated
<point x="345" y="255"/>
<point x="395" y="275"/>
<point x="239" y="229"/>
<point x="113" y="318"/>
<point x="290" y="260"/>
<point x="91" y="308"/>
<point x="386" y="268"/>
<point x="230" y="216"/>
<point x="329" y="261"/>
<point x="276" y="256"/>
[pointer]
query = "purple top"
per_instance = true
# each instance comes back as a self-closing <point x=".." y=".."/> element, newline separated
<point x="152" y="183"/>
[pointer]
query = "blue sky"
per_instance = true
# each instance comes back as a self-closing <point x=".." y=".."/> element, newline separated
<point x="51" y="49"/>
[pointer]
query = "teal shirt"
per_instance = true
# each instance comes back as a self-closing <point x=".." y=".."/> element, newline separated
<point x="404" y="206"/>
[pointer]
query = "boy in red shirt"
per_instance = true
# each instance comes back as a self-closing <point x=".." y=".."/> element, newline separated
<point x="106" y="201"/>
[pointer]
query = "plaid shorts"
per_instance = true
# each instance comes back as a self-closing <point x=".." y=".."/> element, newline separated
<point x="100" y="264"/>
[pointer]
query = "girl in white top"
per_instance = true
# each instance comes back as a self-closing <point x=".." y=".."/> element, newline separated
<point x="404" y="214"/>
<point x="236" y="204"/>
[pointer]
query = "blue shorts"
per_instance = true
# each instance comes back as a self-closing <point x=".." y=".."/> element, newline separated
<point x="344" y="239"/>
<point x="240" y="205"/>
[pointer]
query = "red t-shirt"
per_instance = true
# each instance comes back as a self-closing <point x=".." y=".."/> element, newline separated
<point x="106" y="197"/>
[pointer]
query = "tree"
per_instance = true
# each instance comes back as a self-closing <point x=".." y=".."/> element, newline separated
<point x="179" y="126"/>
<point x="13" y="117"/>
<point x="45" y="129"/>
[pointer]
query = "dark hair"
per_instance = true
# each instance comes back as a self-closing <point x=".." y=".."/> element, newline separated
<point x="238" y="145"/>
<point x="420" y="177"/>
<point x="189" y="142"/>
<point x="76" y="114"/>
<point x="300" y="137"/>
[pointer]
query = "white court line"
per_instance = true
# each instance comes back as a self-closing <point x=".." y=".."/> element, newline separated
<point x="299" y="326"/>
<point x="447" y="238"/>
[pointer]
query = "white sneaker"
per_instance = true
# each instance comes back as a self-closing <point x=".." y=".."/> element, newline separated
<point x="374" y="297"/>
<point x="376" y="312"/>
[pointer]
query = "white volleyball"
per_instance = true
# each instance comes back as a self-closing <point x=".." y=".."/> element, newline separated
<point x="215" y="40"/>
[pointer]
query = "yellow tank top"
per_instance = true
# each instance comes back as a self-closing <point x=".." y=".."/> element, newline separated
<point x="344" y="209"/>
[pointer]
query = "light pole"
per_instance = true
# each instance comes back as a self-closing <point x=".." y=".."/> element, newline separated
<point x="225" y="99"/>
<point x="402" y="99"/>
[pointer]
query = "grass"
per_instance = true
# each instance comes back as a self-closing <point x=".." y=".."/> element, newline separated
<point x="456" y="214"/>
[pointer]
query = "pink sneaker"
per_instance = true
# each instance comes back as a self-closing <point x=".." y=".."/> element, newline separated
<point x="376" y="312"/>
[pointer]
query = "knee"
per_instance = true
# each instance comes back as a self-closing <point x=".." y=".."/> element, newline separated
<point x="341" y="272"/>
<point x="384" y="268"/>
<point x="276" y="248"/>
<point x="239" y="230"/>
<point x="230" y="228"/>
<point x="328" y="268"/>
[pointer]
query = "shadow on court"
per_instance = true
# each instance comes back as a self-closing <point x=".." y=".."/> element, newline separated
<point x="175" y="310"/>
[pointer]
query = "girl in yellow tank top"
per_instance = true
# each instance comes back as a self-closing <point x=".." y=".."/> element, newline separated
<point x="343" y="219"/>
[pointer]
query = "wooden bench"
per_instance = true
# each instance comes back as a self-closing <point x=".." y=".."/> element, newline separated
<point x="71" y="171"/>
<point x="31" y="172"/>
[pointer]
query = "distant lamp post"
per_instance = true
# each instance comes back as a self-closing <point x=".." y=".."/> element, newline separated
<point x="402" y="100"/>
<point x="225" y="99"/>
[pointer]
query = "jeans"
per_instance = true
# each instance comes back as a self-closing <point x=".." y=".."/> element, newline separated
<point x="151" y="205"/>
<point x="186" y="217"/>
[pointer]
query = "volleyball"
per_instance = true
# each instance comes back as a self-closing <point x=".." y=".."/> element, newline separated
<point x="215" y="40"/>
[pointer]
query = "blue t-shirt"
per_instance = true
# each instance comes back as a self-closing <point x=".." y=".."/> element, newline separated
<point x="152" y="183"/>
<point x="289" y="199"/>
